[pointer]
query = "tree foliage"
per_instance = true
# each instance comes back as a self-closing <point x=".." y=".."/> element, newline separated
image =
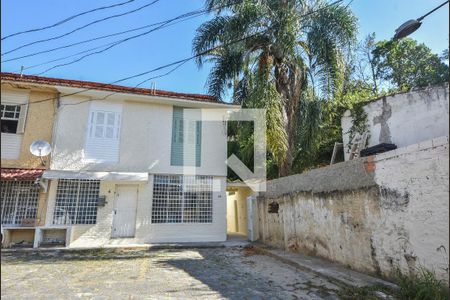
<point x="406" y="64"/>
<point x="279" y="55"/>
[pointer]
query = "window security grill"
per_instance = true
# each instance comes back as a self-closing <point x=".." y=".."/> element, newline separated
<point x="182" y="199"/>
<point x="76" y="201"/>
<point x="19" y="201"/>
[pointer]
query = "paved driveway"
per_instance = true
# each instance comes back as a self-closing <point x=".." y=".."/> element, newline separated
<point x="215" y="273"/>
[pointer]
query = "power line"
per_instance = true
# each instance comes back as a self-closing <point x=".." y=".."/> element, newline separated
<point x="113" y="44"/>
<point x="139" y="84"/>
<point x="67" y="19"/>
<point x="82" y="27"/>
<point x="82" y="42"/>
<point x="182" y="61"/>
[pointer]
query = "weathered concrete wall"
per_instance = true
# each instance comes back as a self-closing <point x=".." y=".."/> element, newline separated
<point x="372" y="214"/>
<point x="404" y="119"/>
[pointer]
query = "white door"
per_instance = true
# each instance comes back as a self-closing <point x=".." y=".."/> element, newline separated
<point x="124" y="222"/>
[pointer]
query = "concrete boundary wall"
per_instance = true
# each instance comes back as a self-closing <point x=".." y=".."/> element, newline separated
<point x="374" y="214"/>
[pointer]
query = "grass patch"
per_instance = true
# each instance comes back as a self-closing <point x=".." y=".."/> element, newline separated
<point x="422" y="286"/>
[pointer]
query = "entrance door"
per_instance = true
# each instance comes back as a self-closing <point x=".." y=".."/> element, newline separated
<point x="124" y="222"/>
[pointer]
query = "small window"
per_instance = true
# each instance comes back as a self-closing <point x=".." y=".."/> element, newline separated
<point x="10" y="115"/>
<point x="103" y="136"/>
<point x="76" y="202"/>
<point x="104" y="125"/>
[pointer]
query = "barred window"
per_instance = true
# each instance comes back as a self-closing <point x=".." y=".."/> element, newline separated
<point x="182" y="199"/>
<point x="19" y="200"/>
<point x="76" y="201"/>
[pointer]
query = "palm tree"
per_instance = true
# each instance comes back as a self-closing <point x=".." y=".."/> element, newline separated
<point x="277" y="50"/>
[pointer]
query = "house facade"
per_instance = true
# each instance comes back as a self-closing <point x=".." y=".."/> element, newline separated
<point x="131" y="166"/>
<point x="24" y="118"/>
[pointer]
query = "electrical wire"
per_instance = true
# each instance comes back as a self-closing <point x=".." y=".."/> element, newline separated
<point x="194" y="14"/>
<point x="166" y="24"/>
<point x="81" y="27"/>
<point x="139" y="84"/>
<point x="67" y="19"/>
<point x="182" y="61"/>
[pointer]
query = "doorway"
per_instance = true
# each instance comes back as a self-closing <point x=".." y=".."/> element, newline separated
<point x="237" y="211"/>
<point x="125" y="207"/>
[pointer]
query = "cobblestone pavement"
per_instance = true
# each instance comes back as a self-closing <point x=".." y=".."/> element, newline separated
<point x="215" y="273"/>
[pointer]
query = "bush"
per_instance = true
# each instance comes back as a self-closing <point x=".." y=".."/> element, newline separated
<point x="422" y="286"/>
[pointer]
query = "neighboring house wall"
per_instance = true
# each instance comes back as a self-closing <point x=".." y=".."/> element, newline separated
<point x="38" y="126"/>
<point x="145" y="140"/>
<point x="404" y="119"/>
<point x="37" y="113"/>
<point x="373" y="214"/>
<point x="237" y="209"/>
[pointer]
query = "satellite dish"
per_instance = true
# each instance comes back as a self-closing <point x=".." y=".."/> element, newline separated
<point x="40" y="149"/>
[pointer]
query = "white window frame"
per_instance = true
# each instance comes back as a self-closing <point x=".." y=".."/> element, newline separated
<point x="175" y="205"/>
<point x="104" y="126"/>
<point x="99" y="147"/>
<point x="20" y="114"/>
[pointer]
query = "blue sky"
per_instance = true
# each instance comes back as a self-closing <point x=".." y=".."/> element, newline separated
<point x="172" y="43"/>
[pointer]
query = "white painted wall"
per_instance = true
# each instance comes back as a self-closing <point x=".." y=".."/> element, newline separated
<point x="388" y="211"/>
<point x="99" y="234"/>
<point x="414" y="117"/>
<point x="414" y="234"/>
<point x="145" y="140"/>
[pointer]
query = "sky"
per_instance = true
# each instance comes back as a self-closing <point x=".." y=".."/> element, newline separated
<point x="169" y="44"/>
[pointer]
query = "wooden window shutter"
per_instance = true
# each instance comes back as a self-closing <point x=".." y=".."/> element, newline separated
<point x="22" y="118"/>
<point x="198" y="143"/>
<point x="176" y="151"/>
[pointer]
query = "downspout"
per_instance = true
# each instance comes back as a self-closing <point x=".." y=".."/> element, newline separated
<point x="56" y="105"/>
<point x="43" y="212"/>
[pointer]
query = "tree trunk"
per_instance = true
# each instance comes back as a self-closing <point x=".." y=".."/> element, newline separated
<point x="289" y="84"/>
<point x="286" y="166"/>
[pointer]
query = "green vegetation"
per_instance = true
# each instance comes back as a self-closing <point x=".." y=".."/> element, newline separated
<point x="406" y="64"/>
<point x="421" y="286"/>
<point x="301" y="62"/>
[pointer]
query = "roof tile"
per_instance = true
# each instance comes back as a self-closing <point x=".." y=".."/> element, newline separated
<point x="20" y="174"/>
<point x="104" y="86"/>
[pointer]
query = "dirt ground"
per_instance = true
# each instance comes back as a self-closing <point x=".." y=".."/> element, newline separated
<point x="214" y="273"/>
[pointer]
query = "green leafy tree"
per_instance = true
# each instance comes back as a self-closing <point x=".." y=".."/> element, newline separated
<point x="406" y="64"/>
<point x="269" y="52"/>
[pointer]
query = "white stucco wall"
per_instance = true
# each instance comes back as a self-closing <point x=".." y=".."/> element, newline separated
<point x="373" y="214"/>
<point x="145" y="140"/>
<point x="404" y="119"/>
<point x="145" y="146"/>
<point x="99" y="234"/>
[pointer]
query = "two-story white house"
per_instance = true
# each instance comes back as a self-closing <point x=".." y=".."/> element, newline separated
<point x="128" y="167"/>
